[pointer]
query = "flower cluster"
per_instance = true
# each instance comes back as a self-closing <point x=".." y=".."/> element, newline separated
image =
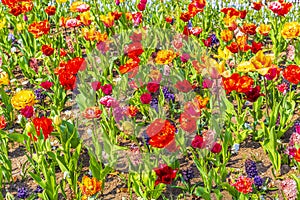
<point x="18" y="7"/>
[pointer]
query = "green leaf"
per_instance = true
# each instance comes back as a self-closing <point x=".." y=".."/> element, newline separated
<point x="202" y="192"/>
<point x="17" y="137"/>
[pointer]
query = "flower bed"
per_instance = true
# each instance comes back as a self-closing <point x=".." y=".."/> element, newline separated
<point x="149" y="100"/>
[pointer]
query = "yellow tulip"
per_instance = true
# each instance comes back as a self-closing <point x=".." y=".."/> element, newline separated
<point x="20" y="27"/>
<point x="226" y="35"/>
<point x="108" y="20"/>
<point x="61" y="1"/>
<point x="86" y="18"/>
<point x="2" y="23"/>
<point x="4" y="80"/>
<point x="291" y="30"/>
<point x="261" y="62"/>
<point x="165" y="57"/>
<point x="223" y="54"/>
<point x="228" y="21"/>
<point x="74" y="6"/>
<point x="263" y="29"/>
<point x="214" y="68"/>
<point x="245" y="67"/>
<point x="22" y="99"/>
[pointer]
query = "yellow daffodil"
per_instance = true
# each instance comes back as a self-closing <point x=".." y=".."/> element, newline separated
<point x="23" y="98"/>
<point x="291" y="30"/>
<point x="261" y="62"/>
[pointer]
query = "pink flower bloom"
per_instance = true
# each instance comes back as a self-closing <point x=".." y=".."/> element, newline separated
<point x="198" y="142"/>
<point x="83" y="7"/>
<point x="96" y="85"/>
<point x="34" y="64"/>
<point x="297" y="128"/>
<point x="289" y="188"/>
<point x="184" y="57"/>
<point x="71" y="23"/>
<point x="291" y="151"/>
<point x="27" y="111"/>
<point x="152" y="87"/>
<point x="141" y="6"/>
<point x="216" y="148"/>
<point x="275" y="5"/>
<point x="294" y="139"/>
<point x="283" y="87"/>
<point x="207" y="83"/>
<point x="107" y="89"/>
<point x="290" y="52"/>
<point x="108" y="101"/>
<point x="146" y="98"/>
<point x="137" y="18"/>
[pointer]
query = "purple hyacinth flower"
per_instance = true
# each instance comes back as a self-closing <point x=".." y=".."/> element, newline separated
<point x="22" y="193"/>
<point x="251" y="169"/>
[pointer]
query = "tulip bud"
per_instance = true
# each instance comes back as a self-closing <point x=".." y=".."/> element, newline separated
<point x="25" y="18"/>
<point x="57" y="120"/>
<point x="29" y="128"/>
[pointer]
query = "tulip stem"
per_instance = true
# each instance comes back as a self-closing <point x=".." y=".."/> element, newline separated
<point x="266" y="96"/>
